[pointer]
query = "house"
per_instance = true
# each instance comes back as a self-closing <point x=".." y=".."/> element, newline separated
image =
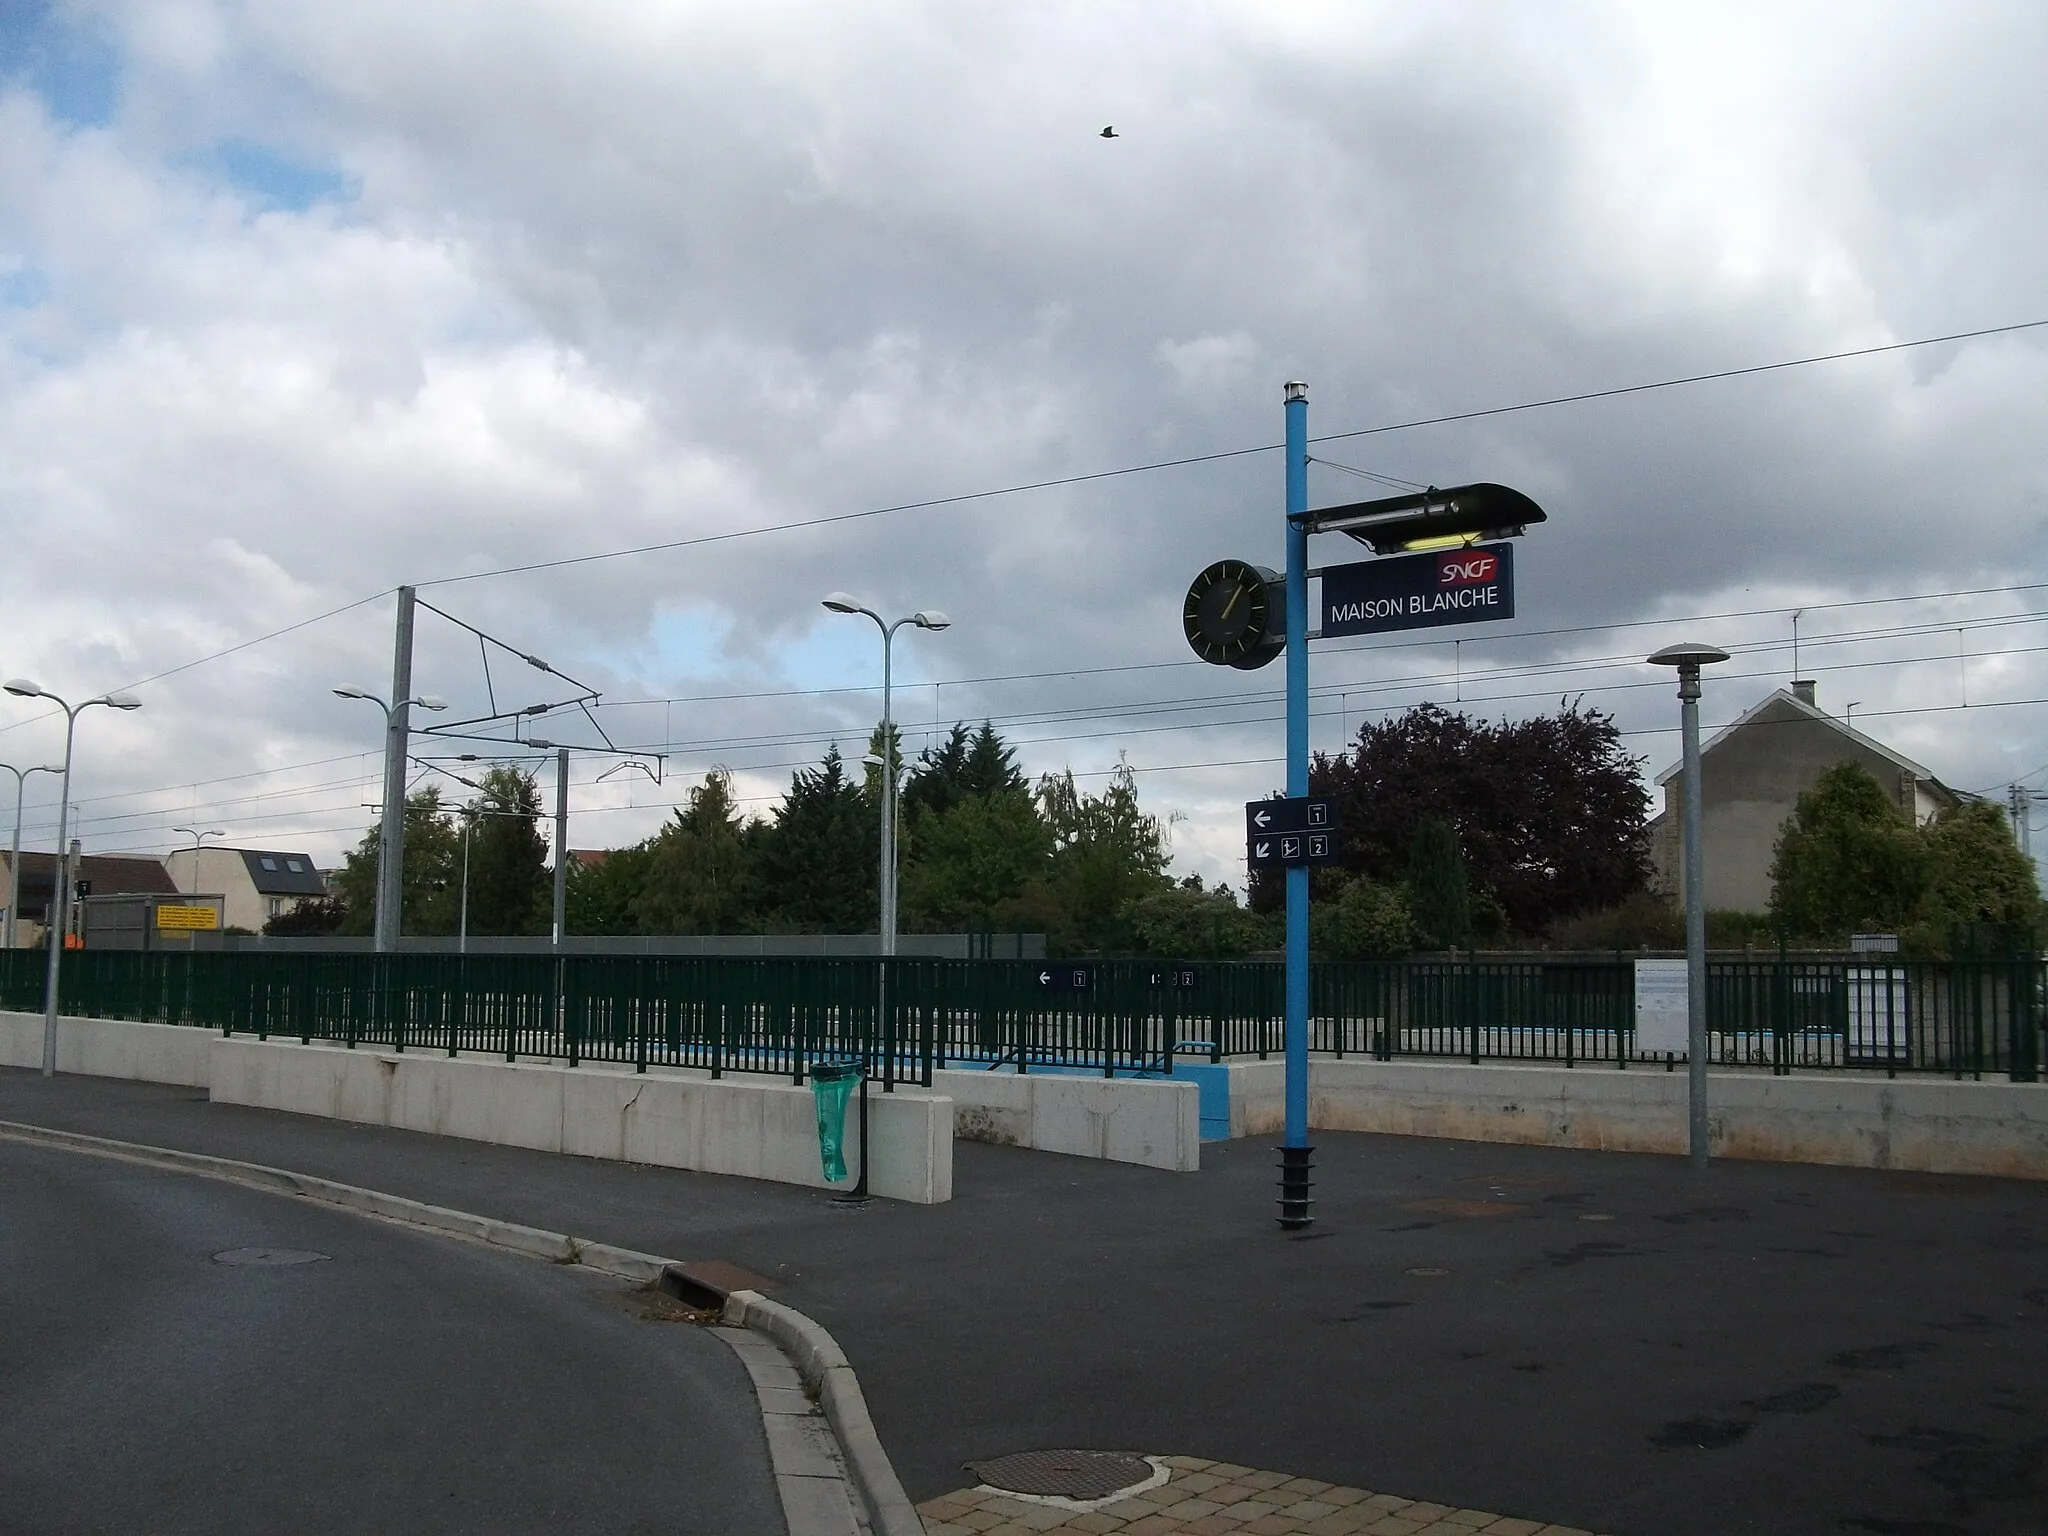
<point x="101" y="874"/>
<point x="1752" y="774"/>
<point x="255" y="884"/>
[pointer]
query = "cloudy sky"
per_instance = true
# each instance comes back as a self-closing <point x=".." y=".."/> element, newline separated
<point x="300" y="302"/>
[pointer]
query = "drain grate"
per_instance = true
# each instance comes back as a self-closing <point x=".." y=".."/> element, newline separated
<point x="1064" y="1474"/>
<point x="269" y="1256"/>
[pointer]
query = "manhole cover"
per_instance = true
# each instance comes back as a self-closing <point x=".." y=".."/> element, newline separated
<point x="268" y="1256"/>
<point x="1064" y="1474"/>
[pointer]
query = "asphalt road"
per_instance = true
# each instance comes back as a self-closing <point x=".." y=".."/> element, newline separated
<point x="160" y="1372"/>
<point x="1601" y="1340"/>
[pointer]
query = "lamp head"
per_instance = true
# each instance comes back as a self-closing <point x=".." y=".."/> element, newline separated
<point x="353" y="693"/>
<point x="1688" y="654"/>
<point x="22" y="688"/>
<point x="838" y="602"/>
<point x="431" y="701"/>
<point x="119" y="701"/>
<point x="930" y="618"/>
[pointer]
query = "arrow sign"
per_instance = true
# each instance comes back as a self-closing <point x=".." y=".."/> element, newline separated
<point x="1312" y="813"/>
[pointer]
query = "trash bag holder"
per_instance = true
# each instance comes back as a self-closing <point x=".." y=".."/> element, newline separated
<point x="832" y="1086"/>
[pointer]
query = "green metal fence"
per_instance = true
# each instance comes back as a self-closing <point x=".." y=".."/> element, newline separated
<point x="1965" y="1018"/>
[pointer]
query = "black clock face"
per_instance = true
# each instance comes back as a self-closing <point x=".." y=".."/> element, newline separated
<point x="1230" y="617"/>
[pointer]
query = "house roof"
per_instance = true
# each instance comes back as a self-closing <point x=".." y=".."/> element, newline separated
<point x="274" y="873"/>
<point x="1782" y="701"/>
<point x="109" y="874"/>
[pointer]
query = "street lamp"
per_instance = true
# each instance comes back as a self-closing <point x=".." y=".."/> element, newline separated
<point x="924" y="618"/>
<point x="22" y="688"/>
<point x="391" y="832"/>
<point x="198" y="838"/>
<point x="1688" y="659"/>
<point x="14" y="859"/>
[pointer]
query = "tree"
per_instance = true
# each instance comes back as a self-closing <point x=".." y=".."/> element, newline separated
<point x="962" y="867"/>
<point x="818" y="857"/>
<point x="509" y="888"/>
<point x="1365" y="921"/>
<point x="934" y="784"/>
<point x="1979" y="874"/>
<point x="696" y="877"/>
<point x="602" y="895"/>
<point x="991" y="767"/>
<point x="311" y="918"/>
<point x="428" y="880"/>
<point x="1187" y="921"/>
<point x="1106" y="854"/>
<point x="1848" y="859"/>
<point x="1548" y="811"/>
<point x="1439" y="893"/>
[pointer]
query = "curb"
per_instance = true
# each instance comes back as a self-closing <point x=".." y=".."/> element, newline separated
<point x="824" y="1368"/>
<point x="818" y="1359"/>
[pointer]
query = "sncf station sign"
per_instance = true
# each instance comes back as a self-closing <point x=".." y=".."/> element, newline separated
<point x="1468" y="585"/>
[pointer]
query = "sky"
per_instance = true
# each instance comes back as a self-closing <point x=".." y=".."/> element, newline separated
<point x="627" y="331"/>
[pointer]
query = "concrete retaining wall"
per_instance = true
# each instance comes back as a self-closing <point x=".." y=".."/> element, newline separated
<point x="1932" y="1125"/>
<point x="757" y="1128"/>
<point x="151" y="1053"/>
<point x="1124" y="1120"/>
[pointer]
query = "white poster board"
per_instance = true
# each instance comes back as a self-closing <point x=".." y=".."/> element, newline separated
<point x="1661" y="1006"/>
<point x="1880" y="1013"/>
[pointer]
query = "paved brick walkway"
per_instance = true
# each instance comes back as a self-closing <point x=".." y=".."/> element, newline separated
<point x="1214" y="1498"/>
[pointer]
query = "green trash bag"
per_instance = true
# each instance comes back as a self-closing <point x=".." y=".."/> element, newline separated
<point x="832" y="1084"/>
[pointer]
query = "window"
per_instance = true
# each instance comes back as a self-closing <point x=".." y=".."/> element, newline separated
<point x="295" y="866"/>
<point x="268" y="863"/>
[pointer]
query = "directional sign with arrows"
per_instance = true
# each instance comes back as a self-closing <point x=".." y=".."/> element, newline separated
<point x="1057" y="977"/>
<point x="1278" y="833"/>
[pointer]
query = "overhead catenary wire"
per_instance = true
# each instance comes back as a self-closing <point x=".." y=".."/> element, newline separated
<point x="1544" y="403"/>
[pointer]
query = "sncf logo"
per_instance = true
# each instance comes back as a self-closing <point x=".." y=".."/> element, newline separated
<point x="1466" y="567"/>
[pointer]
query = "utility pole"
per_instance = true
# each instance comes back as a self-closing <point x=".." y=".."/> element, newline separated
<point x="391" y="838"/>
<point x="561" y="845"/>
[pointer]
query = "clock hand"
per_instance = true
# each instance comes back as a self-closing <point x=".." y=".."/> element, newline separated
<point x="1235" y="594"/>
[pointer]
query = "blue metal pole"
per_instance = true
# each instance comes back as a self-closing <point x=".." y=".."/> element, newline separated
<point x="1295" y="1149"/>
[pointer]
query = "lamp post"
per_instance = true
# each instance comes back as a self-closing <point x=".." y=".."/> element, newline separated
<point x="1688" y="659"/>
<point x="60" y="898"/>
<point x="391" y="831"/>
<point x="198" y="838"/>
<point x="924" y="618"/>
<point x="14" y="858"/>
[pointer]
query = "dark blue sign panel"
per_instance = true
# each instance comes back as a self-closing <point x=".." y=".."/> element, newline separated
<point x="1312" y="814"/>
<point x="1056" y="976"/>
<point x="1450" y="586"/>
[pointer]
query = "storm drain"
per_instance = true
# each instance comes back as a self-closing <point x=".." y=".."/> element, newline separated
<point x="1065" y="1474"/>
<point x="269" y="1256"/>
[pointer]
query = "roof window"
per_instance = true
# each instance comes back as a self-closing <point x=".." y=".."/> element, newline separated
<point x="268" y="863"/>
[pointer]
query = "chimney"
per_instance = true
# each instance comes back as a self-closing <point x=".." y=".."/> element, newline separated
<point x="1802" y="690"/>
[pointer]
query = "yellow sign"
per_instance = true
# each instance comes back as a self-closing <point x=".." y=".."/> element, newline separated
<point x="186" y="919"/>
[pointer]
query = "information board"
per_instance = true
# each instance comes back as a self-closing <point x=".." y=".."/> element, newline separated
<point x="187" y="919"/>
<point x="1661" y="1006"/>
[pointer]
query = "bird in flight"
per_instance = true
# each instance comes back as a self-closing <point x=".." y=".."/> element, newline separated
<point x="1110" y="133"/>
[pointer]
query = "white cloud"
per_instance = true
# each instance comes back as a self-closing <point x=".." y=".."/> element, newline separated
<point x="604" y="277"/>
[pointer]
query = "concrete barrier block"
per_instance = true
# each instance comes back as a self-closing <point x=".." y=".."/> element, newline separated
<point x="993" y="1107"/>
<point x="1131" y="1120"/>
<point x="149" y="1053"/>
